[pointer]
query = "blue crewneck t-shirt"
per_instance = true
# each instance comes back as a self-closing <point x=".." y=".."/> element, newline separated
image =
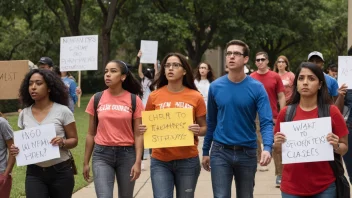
<point x="232" y="109"/>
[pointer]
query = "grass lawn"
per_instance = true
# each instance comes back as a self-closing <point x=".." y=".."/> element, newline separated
<point x="19" y="173"/>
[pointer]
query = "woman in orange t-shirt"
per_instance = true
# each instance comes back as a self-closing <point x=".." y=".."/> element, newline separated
<point x="176" y="166"/>
<point x="116" y="143"/>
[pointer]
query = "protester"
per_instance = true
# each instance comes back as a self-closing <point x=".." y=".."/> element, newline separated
<point x="113" y="136"/>
<point x="176" y="166"/>
<point x="332" y="70"/>
<point x="274" y="87"/>
<point x="233" y="102"/>
<point x="147" y="78"/>
<point x="315" y="179"/>
<point x="45" y="98"/>
<point x="282" y="66"/>
<point x="71" y="86"/>
<point x="203" y="77"/>
<point x="6" y="161"/>
<point x="348" y="104"/>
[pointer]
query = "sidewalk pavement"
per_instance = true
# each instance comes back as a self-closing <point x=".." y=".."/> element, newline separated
<point x="264" y="184"/>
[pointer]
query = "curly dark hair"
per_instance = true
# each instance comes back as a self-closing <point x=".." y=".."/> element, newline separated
<point x="187" y="81"/>
<point x="131" y="84"/>
<point x="210" y="75"/>
<point x="58" y="91"/>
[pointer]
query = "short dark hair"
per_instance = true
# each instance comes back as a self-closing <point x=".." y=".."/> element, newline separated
<point x="323" y="94"/>
<point x="58" y="90"/>
<point x="262" y="53"/>
<point x="240" y="43"/>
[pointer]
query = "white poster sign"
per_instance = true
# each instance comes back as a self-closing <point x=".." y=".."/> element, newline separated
<point x="306" y="141"/>
<point x="79" y="53"/>
<point x="345" y="71"/>
<point x="34" y="145"/>
<point x="149" y="51"/>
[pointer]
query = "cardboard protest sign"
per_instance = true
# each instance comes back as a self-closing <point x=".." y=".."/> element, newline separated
<point x="34" y="145"/>
<point x="168" y="128"/>
<point x="149" y="51"/>
<point x="79" y="53"/>
<point x="12" y="74"/>
<point x="306" y="141"/>
<point x="345" y="71"/>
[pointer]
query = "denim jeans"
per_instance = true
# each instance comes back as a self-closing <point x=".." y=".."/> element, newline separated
<point x="181" y="173"/>
<point x="56" y="181"/>
<point x="227" y="164"/>
<point x="330" y="192"/>
<point x="109" y="161"/>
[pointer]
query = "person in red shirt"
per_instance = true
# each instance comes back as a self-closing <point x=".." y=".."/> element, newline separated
<point x="314" y="179"/>
<point x="176" y="166"/>
<point x="115" y="144"/>
<point x="275" y="89"/>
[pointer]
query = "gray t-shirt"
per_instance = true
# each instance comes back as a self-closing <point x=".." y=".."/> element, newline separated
<point x="6" y="133"/>
<point x="60" y="116"/>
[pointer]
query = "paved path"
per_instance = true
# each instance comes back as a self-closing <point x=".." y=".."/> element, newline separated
<point x="264" y="185"/>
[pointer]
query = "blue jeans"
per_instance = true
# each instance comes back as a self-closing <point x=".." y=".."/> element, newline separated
<point x="109" y="161"/>
<point x="181" y="173"/>
<point x="56" y="181"/>
<point x="330" y="192"/>
<point x="227" y="164"/>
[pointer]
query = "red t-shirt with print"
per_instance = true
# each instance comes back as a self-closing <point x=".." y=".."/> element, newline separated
<point x="188" y="98"/>
<point x="115" y="118"/>
<point x="311" y="178"/>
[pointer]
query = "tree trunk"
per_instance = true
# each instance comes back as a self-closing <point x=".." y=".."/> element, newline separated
<point x="105" y="40"/>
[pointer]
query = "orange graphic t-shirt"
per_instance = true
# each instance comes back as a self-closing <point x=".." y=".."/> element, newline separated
<point x="188" y="98"/>
<point x="115" y="118"/>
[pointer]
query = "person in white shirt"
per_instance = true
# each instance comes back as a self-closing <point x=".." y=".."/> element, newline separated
<point x="203" y="77"/>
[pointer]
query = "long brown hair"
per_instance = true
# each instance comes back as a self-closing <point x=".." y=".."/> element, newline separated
<point x="187" y="80"/>
<point x="210" y="75"/>
<point x="287" y="68"/>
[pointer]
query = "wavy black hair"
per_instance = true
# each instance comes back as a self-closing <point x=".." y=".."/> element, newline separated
<point x="210" y="75"/>
<point x="187" y="81"/>
<point x="323" y="94"/>
<point x="131" y="84"/>
<point x="58" y="91"/>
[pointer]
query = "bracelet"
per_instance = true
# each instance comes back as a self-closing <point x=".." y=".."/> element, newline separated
<point x="63" y="143"/>
<point x="338" y="147"/>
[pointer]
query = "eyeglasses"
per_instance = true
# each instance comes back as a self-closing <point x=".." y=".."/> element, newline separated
<point x="280" y="61"/>
<point x="173" y="65"/>
<point x="260" y="60"/>
<point x="235" y="54"/>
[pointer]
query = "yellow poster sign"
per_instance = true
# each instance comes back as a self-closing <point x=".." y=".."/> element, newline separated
<point x="168" y="128"/>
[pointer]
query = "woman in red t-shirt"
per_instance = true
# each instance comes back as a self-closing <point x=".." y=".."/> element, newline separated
<point x="115" y="144"/>
<point x="314" y="179"/>
<point x="176" y="166"/>
<point x="282" y="67"/>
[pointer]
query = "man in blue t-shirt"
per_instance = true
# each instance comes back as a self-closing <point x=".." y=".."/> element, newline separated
<point x="233" y="103"/>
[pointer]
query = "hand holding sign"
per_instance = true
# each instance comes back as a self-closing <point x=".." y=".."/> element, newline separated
<point x="307" y="141"/>
<point x="33" y="145"/>
<point x="168" y="128"/>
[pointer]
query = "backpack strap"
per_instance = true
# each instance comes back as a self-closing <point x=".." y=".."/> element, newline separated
<point x="290" y="112"/>
<point x="324" y="111"/>
<point x="97" y="98"/>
